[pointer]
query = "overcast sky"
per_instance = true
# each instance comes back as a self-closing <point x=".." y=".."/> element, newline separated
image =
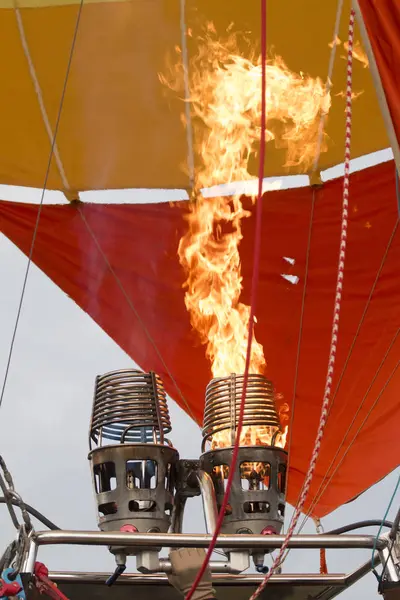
<point x="59" y="351"/>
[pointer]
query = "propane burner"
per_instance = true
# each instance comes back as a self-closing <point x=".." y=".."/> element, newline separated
<point x="257" y="500"/>
<point x="133" y="464"/>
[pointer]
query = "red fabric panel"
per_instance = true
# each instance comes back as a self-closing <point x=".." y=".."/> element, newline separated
<point x="140" y="241"/>
<point x="382" y="21"/>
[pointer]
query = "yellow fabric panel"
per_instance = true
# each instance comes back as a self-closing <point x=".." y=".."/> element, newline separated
<point x="47" y="3"/>
<point x="116" y="129"/>
<point x="300" y="32"/>
<point x="120" y="127"/>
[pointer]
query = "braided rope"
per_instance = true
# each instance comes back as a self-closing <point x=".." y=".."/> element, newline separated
<point x="336" y="317"/>
<point x="323" y="567"/>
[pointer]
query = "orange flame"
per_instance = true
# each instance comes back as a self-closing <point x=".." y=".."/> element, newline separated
<point x="251" y="435"/>
<point x="225" y="90"/>
<point x="358" y="51"/>
<point x="226" y="99"/>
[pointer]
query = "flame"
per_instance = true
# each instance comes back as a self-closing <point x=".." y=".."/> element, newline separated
<point x="255" y="472"/>
<point x="358" y="51"/>
<point x="336" y="42"/>
<point x="251" y="435"/>
<point x="354" y="95"/>
<point x="226" y="99"/>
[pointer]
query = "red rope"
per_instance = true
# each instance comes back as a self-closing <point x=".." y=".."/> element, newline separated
<point x="254" y="286"/>
<point x="323" y="566"/>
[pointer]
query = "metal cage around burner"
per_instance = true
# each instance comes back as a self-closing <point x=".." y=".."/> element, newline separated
<point x="222" y="406"/>
<point x="129" y="407"/>
<point x="257" y="500"/>
<point x="133" y="464"/>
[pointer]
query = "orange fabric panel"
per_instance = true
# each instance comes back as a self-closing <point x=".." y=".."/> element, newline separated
<point x="140" y="241"/>
<point x="382" y="21"/>
<point x="120" y="127"/>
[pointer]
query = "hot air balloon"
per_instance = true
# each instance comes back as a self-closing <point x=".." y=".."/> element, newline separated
<point x="123" y="96"/>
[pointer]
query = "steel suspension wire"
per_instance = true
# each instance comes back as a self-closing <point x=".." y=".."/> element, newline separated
<point x="380" y="530"/>
<point x="300" y="337"/>
<point x="47" y="174"/>
<point x="328" y="84"/>
<point x="336" y="316"/>
<point x="134" y="310"/>
<point x="32" y="511"/>
<point x="56" y="154"/>
<point x="321" y="127"/>
<point x="322" y="489"/>
<point x="365" y="311"/>
<point x="11" y="498"/>
<point x="326" y="483"/>
<point x="253" y="297"/>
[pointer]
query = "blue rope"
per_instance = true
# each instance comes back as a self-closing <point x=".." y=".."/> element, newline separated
<point x="381" y="527"/>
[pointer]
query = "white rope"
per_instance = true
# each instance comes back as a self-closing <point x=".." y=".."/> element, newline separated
<point x="185" y="63"/>
<point x="39" y="95"/>
<point x="328" y="84"/>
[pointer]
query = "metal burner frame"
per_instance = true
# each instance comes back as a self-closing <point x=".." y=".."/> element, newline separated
<point x="228" y="577"/>
<point x="158" y="498"/>
<point x="237" y="587"/>
<point x="241" y="500"/>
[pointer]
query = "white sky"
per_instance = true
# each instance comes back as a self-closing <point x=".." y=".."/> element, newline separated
<point x="59" y="351"/>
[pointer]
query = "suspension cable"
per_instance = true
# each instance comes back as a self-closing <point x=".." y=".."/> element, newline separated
<point x="361" y="425"/>
<point x="66" y="185"/>
<point x="328" y="84"/>
<point x="321" y="490"/>
<point x="336" y="316"/>
<point x="382" y="525"/>
<point x="47" y="174"/>
<point x="134" y="310"/>
<point x="321" y="128"/>
<point x="253" y="297"/>
<point x="32" y="511"/>
<point x="300" y="337"/>
<point x="364" y="314"/>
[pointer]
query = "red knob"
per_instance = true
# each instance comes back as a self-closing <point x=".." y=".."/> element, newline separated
<point x="128" y="529"/>
<point x="268" y="531"/>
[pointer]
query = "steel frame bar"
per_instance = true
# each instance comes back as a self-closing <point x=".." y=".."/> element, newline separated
<point x="334" y="583"/>
<point x="339" y="580"/>
<point x="178" y="540"/>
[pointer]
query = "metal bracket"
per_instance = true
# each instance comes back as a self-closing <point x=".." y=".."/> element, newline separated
<point x="389" y="556"/>
<point x="187" y="483"/>
<point x="396" y="550"/>
<point x="239" y="561"/>
<point x="148" y="561"/>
